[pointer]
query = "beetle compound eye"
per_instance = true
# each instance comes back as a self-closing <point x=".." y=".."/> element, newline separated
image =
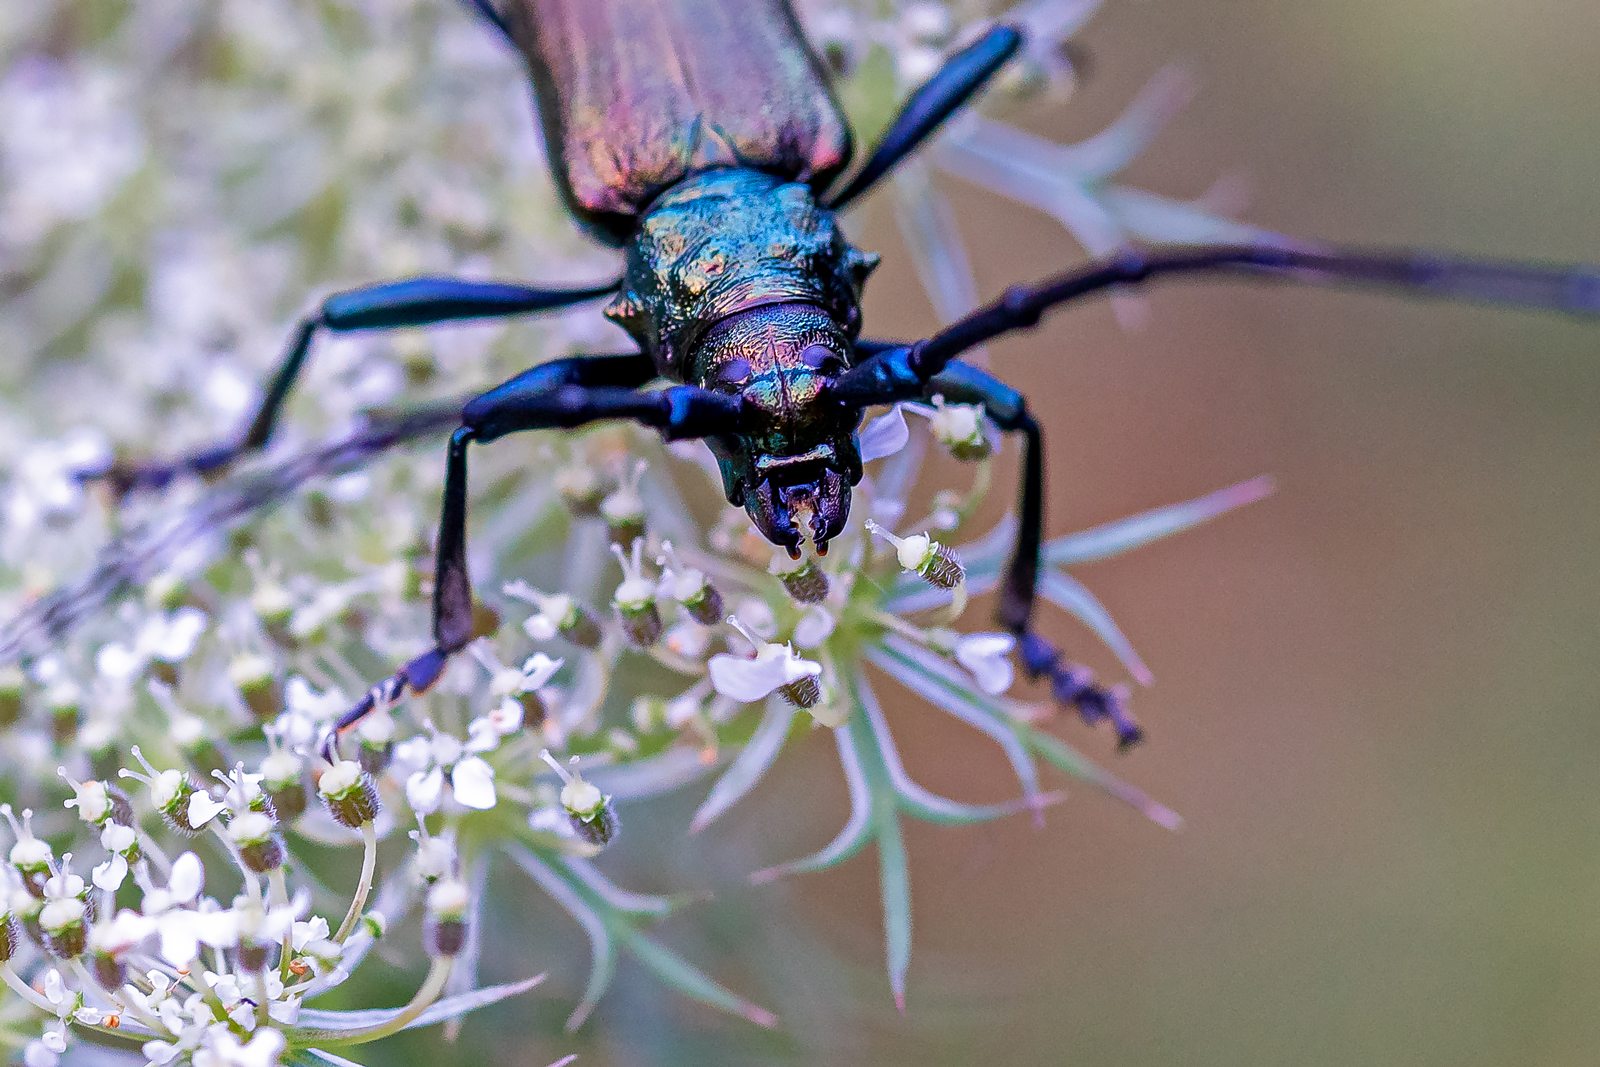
<point x="734" y="372"/>
<point x="822" y="358"/>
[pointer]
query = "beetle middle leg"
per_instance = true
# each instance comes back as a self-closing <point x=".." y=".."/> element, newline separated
<point x="561" y="394"/>
<point x="385" y="306"/>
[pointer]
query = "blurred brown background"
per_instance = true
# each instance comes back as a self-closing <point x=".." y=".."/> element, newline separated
<point x="1376" y="701"/>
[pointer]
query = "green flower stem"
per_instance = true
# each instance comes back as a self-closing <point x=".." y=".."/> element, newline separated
<point x="251" y="880"/>
<point x="89" y="982"/>
<point x="369" y="865"/>
<point x="896" y="624"/>
<point x="149" y="849"/>
<point x="25" y="991"/>
<point x="977" y="493"/>
<point x="432" y="986"/>
<point x="263" y="1002"/>
<point x="280" y="896"/>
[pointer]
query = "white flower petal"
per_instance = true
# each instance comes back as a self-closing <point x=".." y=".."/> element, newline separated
<point x="814" y="628"/>
<point x="187" y="878"/>
<point x="157" y="1052"/>
<point x="986" y="657"/>
<point x="203" y="807"/>
<point x="539" y="669"/>
<point x="110" y="874"/>
<point x="286" y="1011"/>
<point x="176" y="637"/>
<point x="117" y="661"/>
<point x="507" y="718"/>
<point x="884" y="435"/>
<point x="117" y="838"/>
<point x="38" y="1054"/>
<point x="482" y="735"/>
<point x="446" y="748"/>
<point x="749" y="680"/>
<point x="313" y="929"/>
<point x="219" y="929"/>
<point x="179" y="942"/>
<point x="423" y="789"/>
<point x="473" y="783"/>
<point x="412" y="754"/>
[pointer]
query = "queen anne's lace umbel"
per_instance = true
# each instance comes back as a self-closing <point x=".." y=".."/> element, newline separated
<point x="163" y="237"/>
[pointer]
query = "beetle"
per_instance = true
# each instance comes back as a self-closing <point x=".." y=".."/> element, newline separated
<point x="703" y="139"/>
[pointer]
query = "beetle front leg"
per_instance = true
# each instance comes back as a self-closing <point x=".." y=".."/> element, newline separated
<point x="562" y="394"/>
<point x="1071" y="684"/>
<point x="386" y="306"/>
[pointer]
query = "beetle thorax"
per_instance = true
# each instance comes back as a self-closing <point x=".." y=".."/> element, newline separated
<point x="727" y="241"/>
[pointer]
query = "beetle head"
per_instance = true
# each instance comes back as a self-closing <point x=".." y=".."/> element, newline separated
<point x="793" y="468"/>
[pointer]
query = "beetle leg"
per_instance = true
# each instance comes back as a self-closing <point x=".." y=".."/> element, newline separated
<point x="951" y="86"/>
<point x="561" y="394"/>
<point x="386" y="306"/>
<point x="1071" y="684"/>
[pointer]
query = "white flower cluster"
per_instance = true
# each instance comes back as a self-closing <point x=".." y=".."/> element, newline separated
<point x="163" y="240"/>
<point x="200" y="981"/>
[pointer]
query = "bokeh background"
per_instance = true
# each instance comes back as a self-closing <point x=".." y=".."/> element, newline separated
<point x="1376" y="690"/>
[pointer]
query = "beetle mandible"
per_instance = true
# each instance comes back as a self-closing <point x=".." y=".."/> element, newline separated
<point x="703" y="139"/>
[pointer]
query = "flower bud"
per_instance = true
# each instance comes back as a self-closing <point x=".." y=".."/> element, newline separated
<point x="689" y="587"/>
<point x="947" y="507"/>
<point x="558" y="614"/>
<point x="349" y="794"/>
<point x="444" y="929"/>
<point x="252" y="675"/>
<point x="635" y="599"/>
<point x="436" y="856"/>
<point x="804" y="581"/>
<point x="581" y="489"/>
<point x="92" y="799"/>
<point x="960" y="429"/>
<point x="581" y="627"/>
<point x="166" y="591"/>
<point x="253" y="956"/>
<point x="649" y="713"/>
<point x="256" y="835"/>
<point x="593" y="816"/>
<point x="271" y="602"/>
<point x="376" y="736"/>
<point x="10" y="939"/>
<point x="31" y="856"/>
<point x="924" y="556"/>
<point x="63" y="702"/>
<point x="62" y="922"/>
<point x="623" y="509"/>
<point x="12" y="685"/>
<point x="170" y="791"/>
<point x="282" y="780"/>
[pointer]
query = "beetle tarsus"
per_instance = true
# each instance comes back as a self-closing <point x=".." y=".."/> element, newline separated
<point x="1073" y="686"/>
<point x="416" y="677"/>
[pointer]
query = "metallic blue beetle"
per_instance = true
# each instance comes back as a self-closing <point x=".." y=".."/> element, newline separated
<point x="702" y="138"/>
